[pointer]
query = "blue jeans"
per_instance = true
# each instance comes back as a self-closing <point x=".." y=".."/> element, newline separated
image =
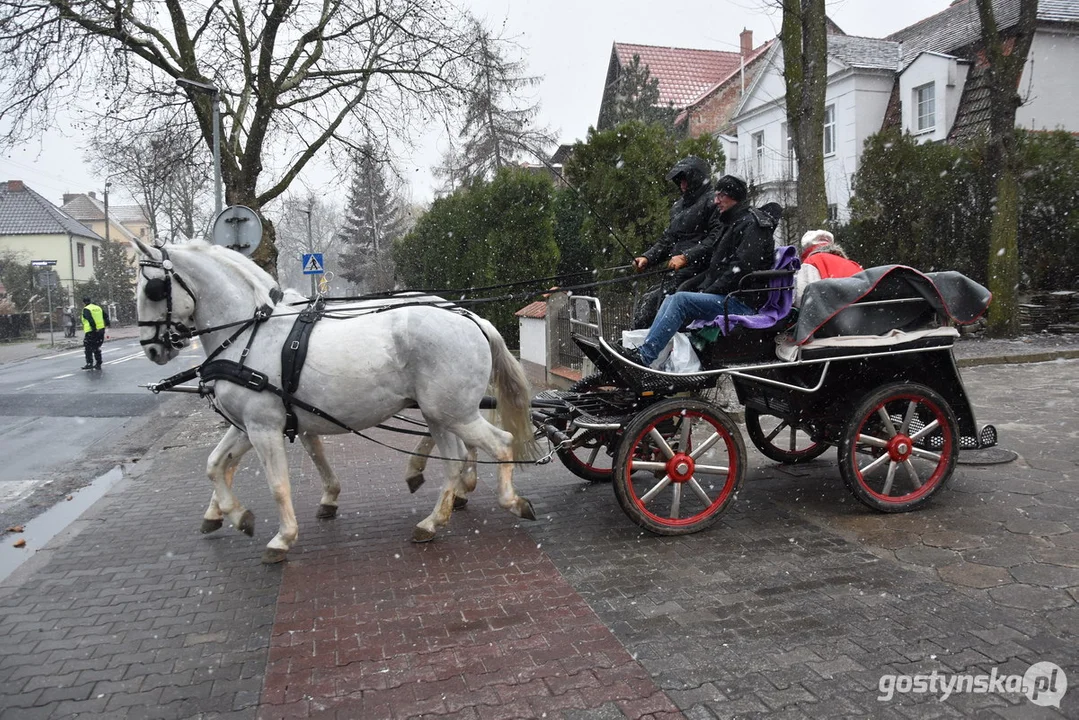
<point x="680" y="308"/>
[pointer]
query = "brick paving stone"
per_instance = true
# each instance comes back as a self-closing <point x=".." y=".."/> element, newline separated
<point x="974" y="575"/>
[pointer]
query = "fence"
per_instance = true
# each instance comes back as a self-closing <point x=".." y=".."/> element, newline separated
<point x="561" y="350"/>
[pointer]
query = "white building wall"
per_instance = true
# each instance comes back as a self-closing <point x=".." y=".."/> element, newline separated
<point x="948" y="76"/>
<point x="1049" y="83"/>
<point x="533" y="340"/>
<point x="58" y="248"/>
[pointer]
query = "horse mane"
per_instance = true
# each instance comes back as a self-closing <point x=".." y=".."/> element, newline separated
<point x="260" y="281"/>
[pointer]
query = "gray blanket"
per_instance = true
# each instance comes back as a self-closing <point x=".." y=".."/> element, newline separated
<point x="829" y="307"/>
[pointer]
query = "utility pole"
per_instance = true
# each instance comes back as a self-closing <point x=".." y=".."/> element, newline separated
<point x="311" y="245"/>
<point x="215" y="99"/>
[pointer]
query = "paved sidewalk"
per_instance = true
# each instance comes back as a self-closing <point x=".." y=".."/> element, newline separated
<point x="794" y="605"/>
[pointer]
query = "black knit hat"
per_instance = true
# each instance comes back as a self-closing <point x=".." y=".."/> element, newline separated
<point x="733" y="187"/>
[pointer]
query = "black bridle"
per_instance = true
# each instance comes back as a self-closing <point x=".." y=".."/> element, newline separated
<point x="157" y="289"/>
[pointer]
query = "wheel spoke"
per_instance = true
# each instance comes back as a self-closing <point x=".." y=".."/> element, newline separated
<point x="712" y="469"/>
<point x="705" y="446"/>
<point x="779" y="429"/>
<point x="593" y="455"/>
<point x="875" y="464"/>
<point x="636" y="465"/>
<point x="699" y="492"/>
<point x="926" y="455"/>
<point x="887" y="420"/>
<point x="887" y="489"/>
<point x="912" y="473"/>
<point x="925" y="431"/>
<point x="911" y="408"/>
<point x="661" y="442"/>
<point x="676" y="501"/>
<point x="870" y="440"/>
<point x="647" y="497"/>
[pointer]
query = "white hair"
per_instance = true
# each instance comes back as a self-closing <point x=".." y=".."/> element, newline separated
<point x="815" y="236"/>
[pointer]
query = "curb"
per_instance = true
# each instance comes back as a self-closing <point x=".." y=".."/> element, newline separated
<point x="1033" y="357"/>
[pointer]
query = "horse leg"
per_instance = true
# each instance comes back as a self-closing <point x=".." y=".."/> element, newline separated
<point x="331" y="487"/>
<point x="269" y="443"/>
<point x="221" y="468"/>
<point x="450" y="448"/>
<point x="468" y="478"/>
<point x="417" y="463"/>
<point x="499" y="444"/>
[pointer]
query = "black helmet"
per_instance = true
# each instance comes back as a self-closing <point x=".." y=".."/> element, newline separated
<point x="695" y="170"/>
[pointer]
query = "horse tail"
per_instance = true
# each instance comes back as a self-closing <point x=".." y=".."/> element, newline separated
<point x="513" y="395"/>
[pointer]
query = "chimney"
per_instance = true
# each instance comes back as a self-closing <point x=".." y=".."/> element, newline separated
<point x="92" y="194"/>
<point x="746" y="41"/>
<point x="68" y="197"/>
<point x="15" y="186"/>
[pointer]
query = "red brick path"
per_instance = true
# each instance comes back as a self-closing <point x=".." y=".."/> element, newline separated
<point x="478" y="624"/>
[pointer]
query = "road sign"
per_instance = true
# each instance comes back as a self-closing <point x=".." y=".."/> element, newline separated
<point x="312" y="264"/>
<point x="42" y="263"/>
<point x="238" y="228"/>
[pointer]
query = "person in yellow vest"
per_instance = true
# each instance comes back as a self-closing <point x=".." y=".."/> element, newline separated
<point x="94" y="322"/>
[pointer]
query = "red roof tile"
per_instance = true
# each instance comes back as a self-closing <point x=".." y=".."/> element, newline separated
<point x="537" y="310"/>
<point x="683" y="73"/>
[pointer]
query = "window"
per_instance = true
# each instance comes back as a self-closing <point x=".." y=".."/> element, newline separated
<point x="829" y="130"/>
<point x="925" y="107"/>
<point x="95" y="254"/>
<point x="758" y="152"/>
<point x="80" y="252"/>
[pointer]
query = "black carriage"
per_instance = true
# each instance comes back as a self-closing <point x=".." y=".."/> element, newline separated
<point x="866" y="366"/>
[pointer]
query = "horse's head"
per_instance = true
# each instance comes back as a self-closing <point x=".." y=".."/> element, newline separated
<point x="166" y="305"/>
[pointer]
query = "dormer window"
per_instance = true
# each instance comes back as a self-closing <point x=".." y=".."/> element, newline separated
<point x="925" y="108"/>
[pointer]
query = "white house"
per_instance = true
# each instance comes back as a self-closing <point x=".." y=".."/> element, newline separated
<point x="924" y="79"/>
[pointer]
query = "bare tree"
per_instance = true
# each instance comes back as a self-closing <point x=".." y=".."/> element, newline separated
<point x="296" y="78"/>
<point x="804" y="38"/>
<point x="162" y="166"/>
<point x="1004" y="68"/>
<point x="306" y="222"/>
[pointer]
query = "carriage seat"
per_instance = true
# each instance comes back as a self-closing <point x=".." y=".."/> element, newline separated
<point x="847" y="345"/>
<point x="751" y="338"/>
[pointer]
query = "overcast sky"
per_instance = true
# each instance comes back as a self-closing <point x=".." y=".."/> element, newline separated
<point x="566" y="42"/>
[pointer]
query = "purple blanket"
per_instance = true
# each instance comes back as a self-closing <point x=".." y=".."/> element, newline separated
<point x="777" y="305"/>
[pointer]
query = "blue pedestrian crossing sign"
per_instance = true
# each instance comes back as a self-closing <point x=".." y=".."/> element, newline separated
<point x="312" y="264"/>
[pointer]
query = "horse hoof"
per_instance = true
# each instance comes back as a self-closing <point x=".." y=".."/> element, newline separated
<point x="325" y="512"/>
<point x="422" y="535"/>
<point x="247" y="523"/>
<point x="208" y="526"/>
<point x="459" y="503"/>
<point x="272" y="556"/>
<point x="525" y="506"/>
<point x="415" y="482"/>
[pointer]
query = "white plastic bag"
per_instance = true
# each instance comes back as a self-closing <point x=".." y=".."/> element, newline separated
<point x="678" y="356"/>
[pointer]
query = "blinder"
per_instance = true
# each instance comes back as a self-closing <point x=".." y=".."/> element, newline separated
<point x="157" y="289"/>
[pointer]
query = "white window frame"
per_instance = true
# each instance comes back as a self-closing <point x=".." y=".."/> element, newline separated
<point x="925" y="108"/>
<point x="829" y="130"/>
<point x="785" y="132"/>
<point x="758" y="152"/>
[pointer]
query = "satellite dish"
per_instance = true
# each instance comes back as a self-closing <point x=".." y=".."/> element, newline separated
<point x="238" y="228"/>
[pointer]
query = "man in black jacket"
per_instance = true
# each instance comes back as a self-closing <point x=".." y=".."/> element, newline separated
<point x="685" y="245"/>
<point x="745" y="245"/>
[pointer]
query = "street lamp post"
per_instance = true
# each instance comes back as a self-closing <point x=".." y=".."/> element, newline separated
<point x="310" y="246"/>
<point x="215" y="95"/>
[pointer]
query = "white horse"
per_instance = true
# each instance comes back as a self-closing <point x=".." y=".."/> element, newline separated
<point x="360" y="369"/>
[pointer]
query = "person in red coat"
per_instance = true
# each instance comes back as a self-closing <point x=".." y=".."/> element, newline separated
<point x="822" y="258"/>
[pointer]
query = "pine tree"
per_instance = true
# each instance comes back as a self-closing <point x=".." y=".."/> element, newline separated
<point x="496" y="131"/>
<point x="373" y="220"/>
<point x="636" y="97"/>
